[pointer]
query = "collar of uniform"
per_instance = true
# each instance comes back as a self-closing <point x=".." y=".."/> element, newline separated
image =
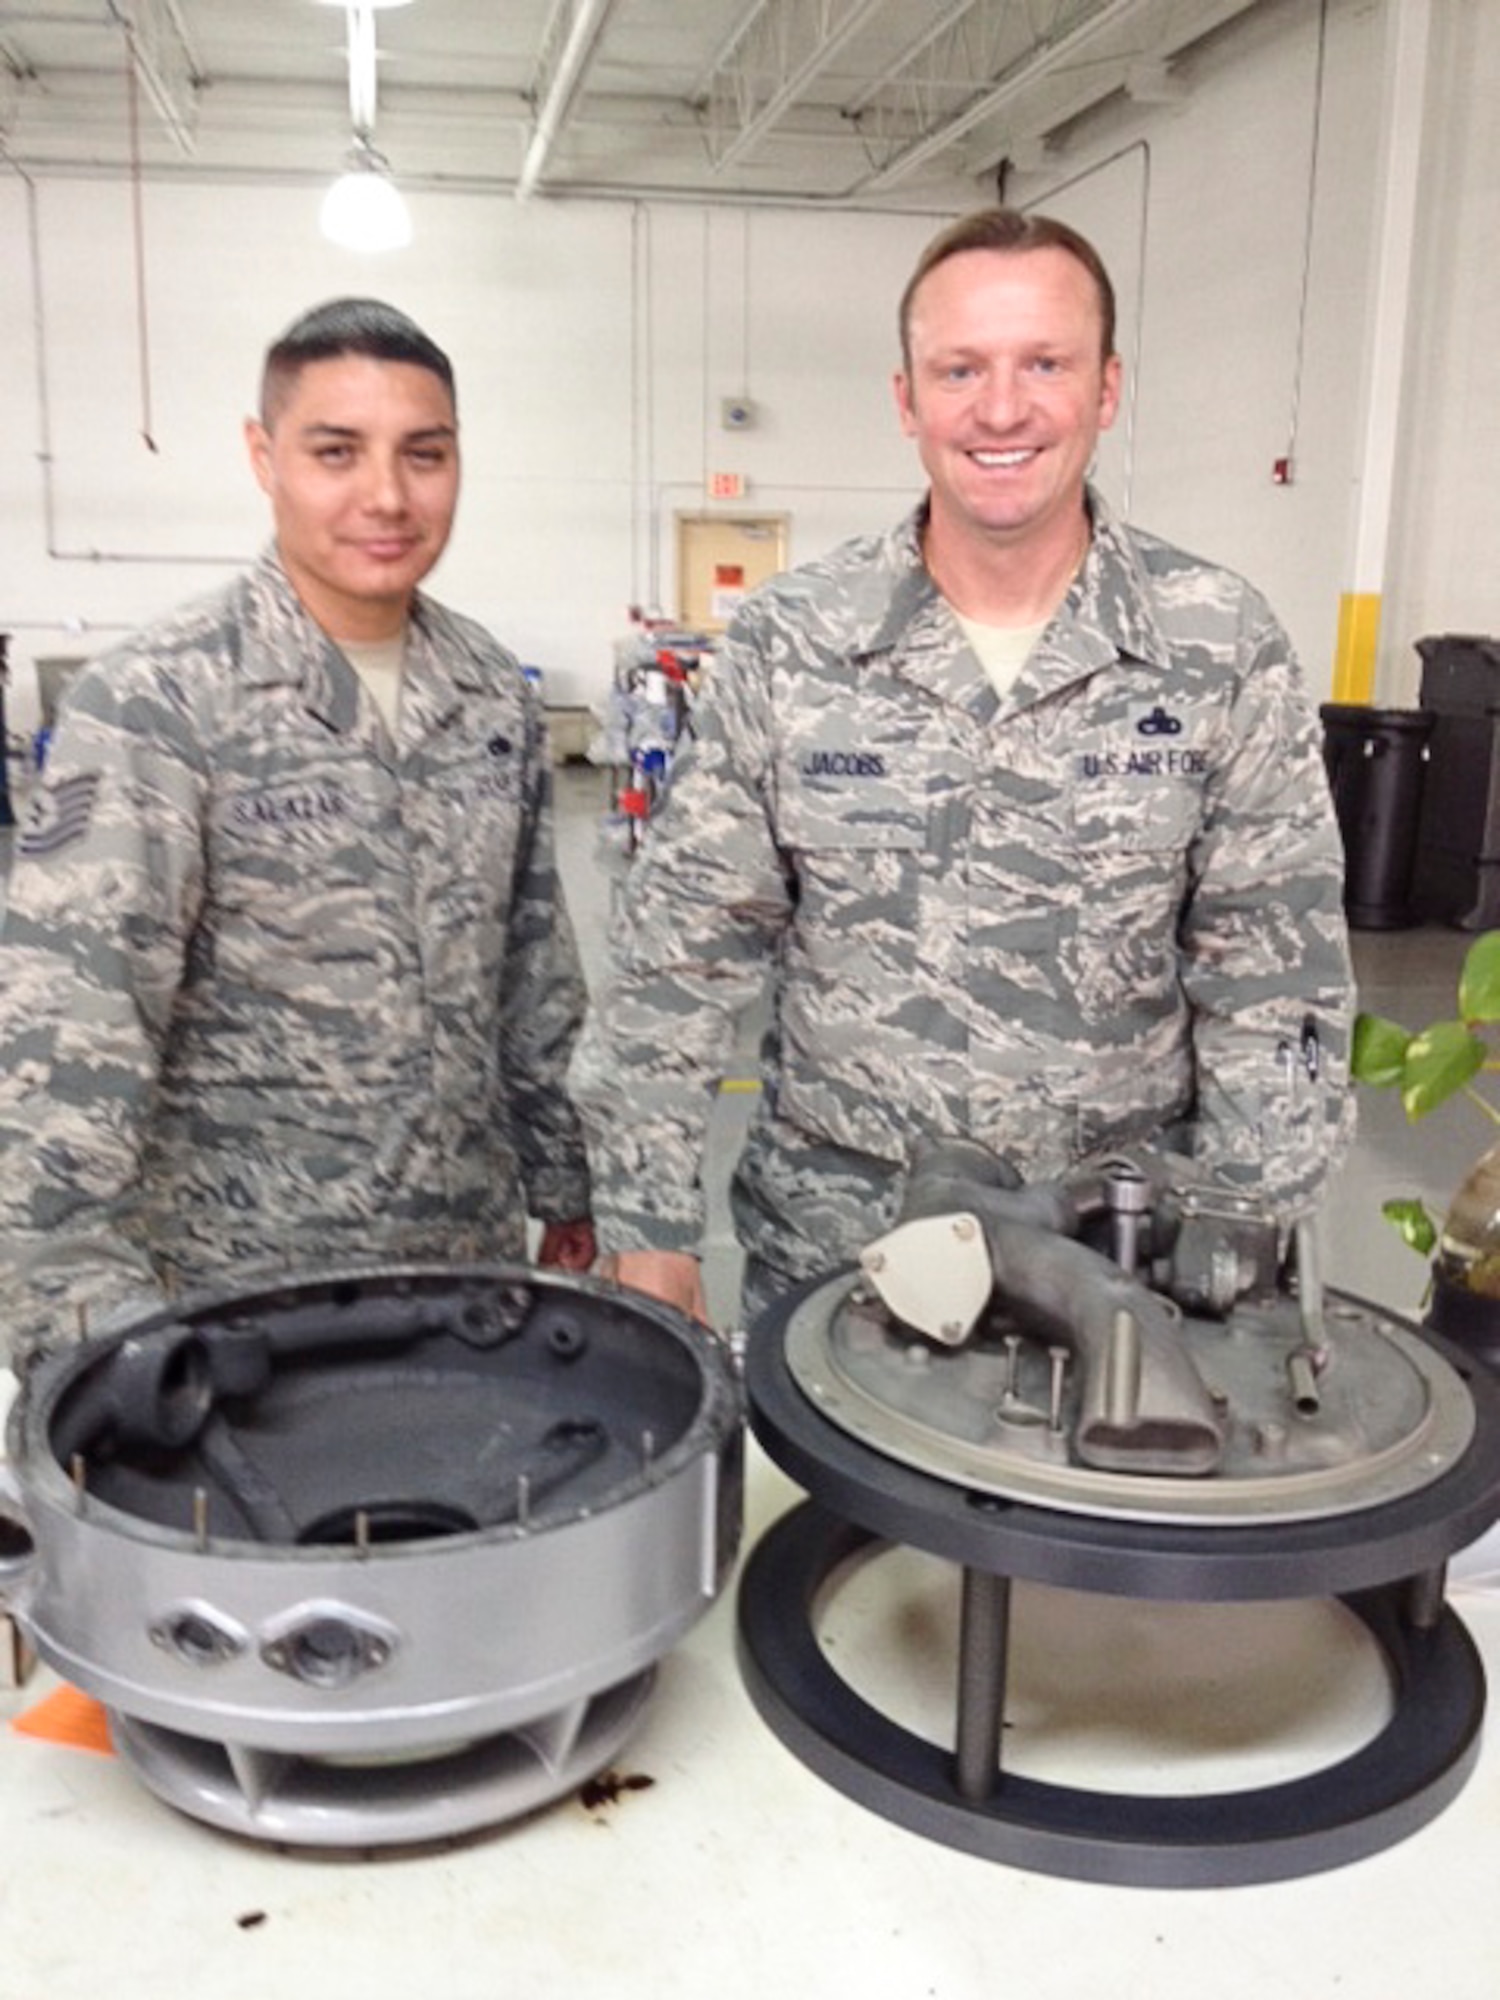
<point x="1112" y="595"/>
<point x="1106" y="618"/>
<point x="894" y="593"/>
<point x="1107" y="615"/>
<point x="438" y="673"/>
<point x="442" y="643"/>
<point x="913" y="623"/>
<point x="285" y="646"/>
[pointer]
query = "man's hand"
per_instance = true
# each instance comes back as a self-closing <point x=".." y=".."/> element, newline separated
<point x="568" y="1246"/>
<point x="673" y="1276"/>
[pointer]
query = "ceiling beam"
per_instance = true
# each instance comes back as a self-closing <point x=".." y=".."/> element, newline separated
<point x="568" y="49"/>
<point x="777" y="50"/>
<point x="163" y="60"/>
<point x="1075" y="26"/>
<point x="939" y="35"/>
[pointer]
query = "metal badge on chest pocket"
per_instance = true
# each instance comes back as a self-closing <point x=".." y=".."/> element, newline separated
<point x="1137" y="783"/>
<point x="1136" y="803"/>
<point x="481" y="773"/>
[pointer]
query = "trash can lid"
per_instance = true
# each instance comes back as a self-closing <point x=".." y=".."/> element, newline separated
<point x="1364" y="719"/>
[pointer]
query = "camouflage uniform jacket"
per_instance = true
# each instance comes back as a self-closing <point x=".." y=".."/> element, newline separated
<point x="1055" y="923"/>
<point x="277" y="991"/>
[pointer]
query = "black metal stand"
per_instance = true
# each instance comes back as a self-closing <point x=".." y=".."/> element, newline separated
<point x="1386" y="1564"/>
<point x="1354" y="1807"/>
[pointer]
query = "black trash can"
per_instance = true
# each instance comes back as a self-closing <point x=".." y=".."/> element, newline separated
<point x="1456" y="875"/>
<point x="1376" y="762"/>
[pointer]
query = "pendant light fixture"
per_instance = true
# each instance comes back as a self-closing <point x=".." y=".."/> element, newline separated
<point x="364" y="210"/>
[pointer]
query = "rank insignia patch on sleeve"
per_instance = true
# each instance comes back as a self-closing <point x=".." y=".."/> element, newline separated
<point x="60" y="814"/>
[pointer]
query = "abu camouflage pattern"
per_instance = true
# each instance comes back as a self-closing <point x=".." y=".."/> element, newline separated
<point x="1103" y="906"/>
<point x="278" y="991"/>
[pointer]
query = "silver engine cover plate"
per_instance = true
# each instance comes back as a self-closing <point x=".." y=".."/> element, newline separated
<point x="1392" y="1414"/>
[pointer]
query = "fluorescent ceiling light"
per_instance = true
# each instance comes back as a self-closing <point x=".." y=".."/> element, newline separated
<point x="364" y="210"/>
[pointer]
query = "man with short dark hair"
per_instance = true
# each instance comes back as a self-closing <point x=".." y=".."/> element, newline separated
<point x="287" y="976"/>
<point x="1021" y="811"/>
<point x="348" y="326"/>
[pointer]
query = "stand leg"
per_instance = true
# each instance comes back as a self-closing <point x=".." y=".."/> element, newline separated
<point x="984" y="1635"/>
<point x="1425" y="1595"/>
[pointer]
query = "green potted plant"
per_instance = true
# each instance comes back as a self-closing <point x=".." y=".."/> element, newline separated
<point x="1429" y="1066"/>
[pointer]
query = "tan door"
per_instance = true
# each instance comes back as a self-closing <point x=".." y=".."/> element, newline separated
<point x="719" y="558"/>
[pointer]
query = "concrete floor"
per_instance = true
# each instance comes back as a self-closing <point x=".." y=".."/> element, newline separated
<point x="735" y="1871"/>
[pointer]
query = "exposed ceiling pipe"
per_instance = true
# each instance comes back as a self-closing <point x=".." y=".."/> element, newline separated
<point x="285" y="114"/>
<point x="362" y="58"/>
<point x="588" y="22"/>
<point x="45" y="456"/>
<point x="138" y="247"/>
<point x="689" y="193"/>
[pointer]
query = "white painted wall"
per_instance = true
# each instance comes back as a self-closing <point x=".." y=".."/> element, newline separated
<point x="1444" y="574"/>
<point x="594" y="342"/>
<point x="1255" y="201"/>
<point x="1215" y="211"/>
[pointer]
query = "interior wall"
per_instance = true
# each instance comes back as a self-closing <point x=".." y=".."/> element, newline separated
<point x="595" y="343"/>
<point x="1247" y="214"/>
<point x="1444" y="573"/>
<point x="1243" y="214"/>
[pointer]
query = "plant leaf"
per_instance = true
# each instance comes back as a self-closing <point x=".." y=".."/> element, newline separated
<point x="1439" y="1061"/>
<point x="1479" y="981"/>
<point x="1379" y="1052"/>
<point x="1418" y="1230"/>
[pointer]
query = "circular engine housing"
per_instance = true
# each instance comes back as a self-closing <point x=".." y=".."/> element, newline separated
<point x="376" y="1556"/>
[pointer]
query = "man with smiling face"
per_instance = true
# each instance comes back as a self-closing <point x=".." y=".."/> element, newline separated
<point x="1022" y="812"/>
<point x="288" y="982"/>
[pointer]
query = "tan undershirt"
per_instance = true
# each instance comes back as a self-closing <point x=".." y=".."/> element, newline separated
<point x="1002" y="649"/>
<point x="379" y="664"/>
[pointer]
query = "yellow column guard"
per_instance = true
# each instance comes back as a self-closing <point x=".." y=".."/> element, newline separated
<point x="1354" y="656"/>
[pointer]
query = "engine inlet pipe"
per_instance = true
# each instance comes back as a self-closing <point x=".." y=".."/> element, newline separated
<point x="1145" y="1407"/>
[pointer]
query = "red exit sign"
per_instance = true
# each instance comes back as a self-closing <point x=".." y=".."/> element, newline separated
<point x="726" y="486"/>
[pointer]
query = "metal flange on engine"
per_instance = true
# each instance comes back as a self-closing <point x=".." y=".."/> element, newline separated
<point x="375" y="1557"/>
<point x="1117" y="1383"/>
